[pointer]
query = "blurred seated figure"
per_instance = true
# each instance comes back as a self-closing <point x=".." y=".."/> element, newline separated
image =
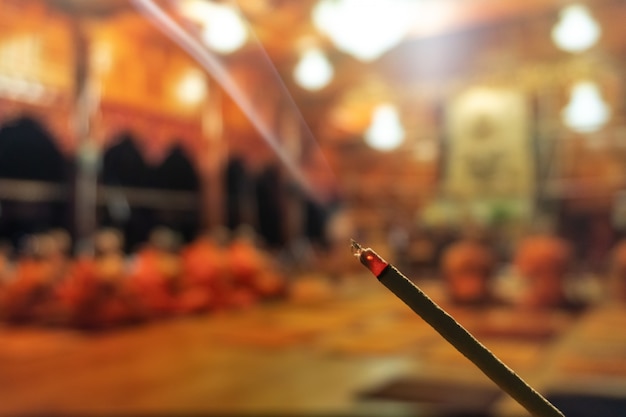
<point x="60" y="254"/>
<point x="30" y="294"/>
<point x="618" y="272"/>
<point x="110" y="261"/>
<point x="219" y="275"/>
<point x="253" y="273"/>
<point x="543" y="262"/>
<point x="5" y="263"/>
<point x="468" y="267"/>
<point x="205" y="273"/>
<point x="156" y="275"/>
<point x="94" y="294"/>
<point x="6" y="270"/>
<point x="46" y="286"/>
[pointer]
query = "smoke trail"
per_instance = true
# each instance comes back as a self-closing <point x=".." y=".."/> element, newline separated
<point x="217" y="69"/>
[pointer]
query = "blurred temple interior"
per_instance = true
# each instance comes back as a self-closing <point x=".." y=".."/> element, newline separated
<point x="180" y="181"/>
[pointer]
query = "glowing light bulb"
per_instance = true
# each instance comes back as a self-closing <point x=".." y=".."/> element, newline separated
<point x="586" y="111"/>
<point x="194" y="9"/>
<point x="365" y="29"/>
<point x="223" y="31"/>
<point x="576" y="30"/>
<point x="386" y="131"/>
<point x="192" y="87"/>
<point x="313" y="71"/>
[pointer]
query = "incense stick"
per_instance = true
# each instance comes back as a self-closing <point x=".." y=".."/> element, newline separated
<point x="455" y="334"/>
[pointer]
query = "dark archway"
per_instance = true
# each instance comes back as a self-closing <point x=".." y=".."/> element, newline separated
<point x="140" y="197"/>
<point x="237" y="183"/>
<point x="269" y="195"/>
<point x="27" y="151"/>
<point x="315" y="219"/>
<point x="34" y="181"/>
<point x="123" y="165"/>
<point x="176" y="173"/>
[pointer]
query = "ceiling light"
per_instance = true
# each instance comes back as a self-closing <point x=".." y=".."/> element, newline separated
<point x="192" y="87"/>
<point x="365" y="29"/>
<point x="586" y="111"/>
<point x="576" y="30"/>
<point x="385" y="132"/>
<point x="313" y="71"/>
<point x="223" y="29"/>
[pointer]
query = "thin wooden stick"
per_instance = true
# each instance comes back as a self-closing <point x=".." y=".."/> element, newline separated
<point x="456" y="334"/>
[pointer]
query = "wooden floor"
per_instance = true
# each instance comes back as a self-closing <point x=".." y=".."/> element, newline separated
<point x="296" y="359"/>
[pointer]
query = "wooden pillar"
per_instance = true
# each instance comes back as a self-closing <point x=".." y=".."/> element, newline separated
<point x="291" y="135"/>
<point x="215" y="151"/>
<point x="87" y="152"/>
<point x="249" y="206"/>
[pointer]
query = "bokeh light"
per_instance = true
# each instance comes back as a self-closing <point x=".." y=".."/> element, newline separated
<point x="385" y="132"/>
<point x="313" y="71"/>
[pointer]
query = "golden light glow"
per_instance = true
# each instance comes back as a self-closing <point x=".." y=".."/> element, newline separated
<point x="192" y="87"/>
<point x="586" y="112"/>
<point x="386" y="131"/>
<point x="313" y="71"/>
<point x="365" y="29"/>
<point x="576" y="30"/>
<point x="223" y="29"/>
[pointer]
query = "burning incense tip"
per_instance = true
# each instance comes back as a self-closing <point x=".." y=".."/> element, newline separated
<point x="356" y="248"/>
<point x="369" y="258"/>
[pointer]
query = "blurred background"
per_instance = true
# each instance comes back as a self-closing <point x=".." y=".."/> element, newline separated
<point x="179" y="181"/>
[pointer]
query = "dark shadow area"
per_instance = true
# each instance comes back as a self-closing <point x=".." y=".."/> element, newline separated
<point x="440" y="398"/>
<point x="175" y="173"/>
<point x="236" y="184"/>
<point x="123" y="165"/>
<point x="582" y="405"/>
<point x="28" y="153"/>
<point x="269" y="197"/>
<point x="129" y="210"/>
<point x="315" y="218"/>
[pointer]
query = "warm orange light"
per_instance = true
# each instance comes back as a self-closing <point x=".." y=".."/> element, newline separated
<point x="369" y="258"/>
